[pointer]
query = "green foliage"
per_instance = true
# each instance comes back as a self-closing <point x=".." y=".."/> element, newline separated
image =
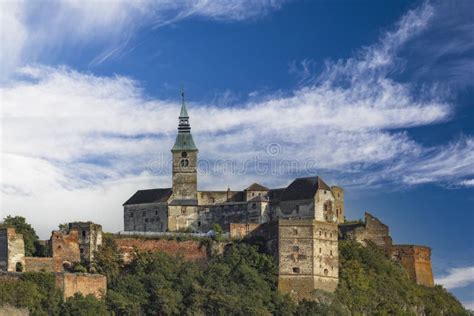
<point x="79" y="305"/>
<point x="22" y="227"/>
<point x="372" y="284"/>
<point x="108" y="260"/>
<point x="79" y="268"/>
<point x="35" y="291"/>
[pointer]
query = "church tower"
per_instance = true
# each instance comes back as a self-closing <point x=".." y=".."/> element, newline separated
<point x="184" y="154"/>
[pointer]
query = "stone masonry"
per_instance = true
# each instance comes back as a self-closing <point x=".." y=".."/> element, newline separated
<point x="307" y="257"/>
<point x="12" y="250"/>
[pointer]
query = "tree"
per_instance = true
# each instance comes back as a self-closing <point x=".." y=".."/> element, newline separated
<point x="80" y="305"/>
<point x="22" y="227"/>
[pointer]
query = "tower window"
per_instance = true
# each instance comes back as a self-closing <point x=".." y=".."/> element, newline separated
<point x="326" y="271"/>
<point x="143" y="214"/>
<point x="84" y="233"/>
<point x="184" y="154"/>
<point x="320" y="250"/>
<point x="296" y="248"/>
<point x="297" y="209"/>
<point x="184" y="162"/>
<point x="295" y="231"/>
<point x="330" y="252"/>
<point x="296" y="270"/>
<point x="254" y="205"/>
<point x="131" y="214"/>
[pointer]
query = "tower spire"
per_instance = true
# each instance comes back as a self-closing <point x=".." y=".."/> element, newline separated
<point x="184" y="139"/>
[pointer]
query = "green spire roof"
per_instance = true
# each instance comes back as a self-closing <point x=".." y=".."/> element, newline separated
<point x="184" y="139"/>
<point x="184" y="112"/>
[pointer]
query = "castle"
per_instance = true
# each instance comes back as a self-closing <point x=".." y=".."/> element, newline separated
<point x="304" y="220"/>
<point x="307" y="210"/>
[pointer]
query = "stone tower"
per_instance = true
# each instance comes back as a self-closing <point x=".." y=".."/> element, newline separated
<point x="184" y="160"/>
<point x="338" y="193"/>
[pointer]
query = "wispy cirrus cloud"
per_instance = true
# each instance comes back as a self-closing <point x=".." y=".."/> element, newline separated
<point x="457" y="277"/>
<point x="33" y="31"/>
<point x="90" y="141"/>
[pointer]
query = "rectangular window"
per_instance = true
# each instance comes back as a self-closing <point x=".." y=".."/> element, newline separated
<point x="296" y="270"/>
<point x="296" y="248"/>
<point x="297" y="209"/>
<point x="143" y="214"/>
<point x="131" y="214"/>
<point x="254" y="206"/>
<point x="156" y="212"/>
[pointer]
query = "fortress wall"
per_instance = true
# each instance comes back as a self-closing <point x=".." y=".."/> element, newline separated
<point x="416" y="260"/>
<point x="84" y="283"/>
<point x="307" y="257"/>
<point x="190" y="249"/>
<point x="372" y="230"/>
<point x="37" y="264"/>
<point x="65" y="248"/>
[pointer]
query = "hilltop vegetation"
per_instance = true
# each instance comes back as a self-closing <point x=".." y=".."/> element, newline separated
<point x="242" y="281"/>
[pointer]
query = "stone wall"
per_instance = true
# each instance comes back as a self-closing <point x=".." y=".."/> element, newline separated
<point x="307" y="257"/>
<point x="13" y="311"/>
<point x="37" y="264"/>
<point x="90" y="238"/>
<point x="12" y="250"/>
<point x="416" y="260"/>
<point x="84" y="283"/>
<point x="150" y="217"/>
<point x="338" y="194"/>
<point x="372" y="229"/>
<point x="65" y="248"/>
<point x="238" y="230"/>
<point x="191" y="250"/>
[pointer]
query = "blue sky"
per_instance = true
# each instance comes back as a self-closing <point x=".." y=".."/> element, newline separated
<point x="373" y="96"/>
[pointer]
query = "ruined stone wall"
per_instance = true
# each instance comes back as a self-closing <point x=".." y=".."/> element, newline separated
<point x="191" y="250"/>
<point x="90" y="238"/>
<point x="152" y="217"/>
<point x="65" y="248"/>
<point x="338" y="194"/>
<point x="46" y="264"/>
<point x="416" y="260"/>
<point x="307" y="257"/>
<point x="84" y="283"/>
<point x="12" y="250"/>
<point x="372" y="230"/>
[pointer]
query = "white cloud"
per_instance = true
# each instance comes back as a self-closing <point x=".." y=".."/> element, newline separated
<point x="76" y="145"/>
<point x="33" y="31"/>
<point x="467" y="183"/>
<point x="457" y="277"/>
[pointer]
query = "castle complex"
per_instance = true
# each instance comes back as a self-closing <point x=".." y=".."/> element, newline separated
<point x="304" y="221"/>
<point x="307" y="210"/>
<point x="301" y="225"/>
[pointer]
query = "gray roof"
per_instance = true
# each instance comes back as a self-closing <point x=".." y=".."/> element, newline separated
<point x="150" y="196"/>
<point x="257" y="187"/>
<point x="184" y="141"/>
<point x="303" y="189"/>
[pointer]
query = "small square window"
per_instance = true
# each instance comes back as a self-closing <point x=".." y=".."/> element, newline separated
<point x="296" y="248"/>
<point x="296" y="270"/>
<point x="295" y="231"/>
<point x="254" y="205"/>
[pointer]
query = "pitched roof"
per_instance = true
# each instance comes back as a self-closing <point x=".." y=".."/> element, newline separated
<point x="303" y="188"/>
<point x="275" y="194"/>
<point x="257" y="187"/>
<point x="150" y="196"/>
